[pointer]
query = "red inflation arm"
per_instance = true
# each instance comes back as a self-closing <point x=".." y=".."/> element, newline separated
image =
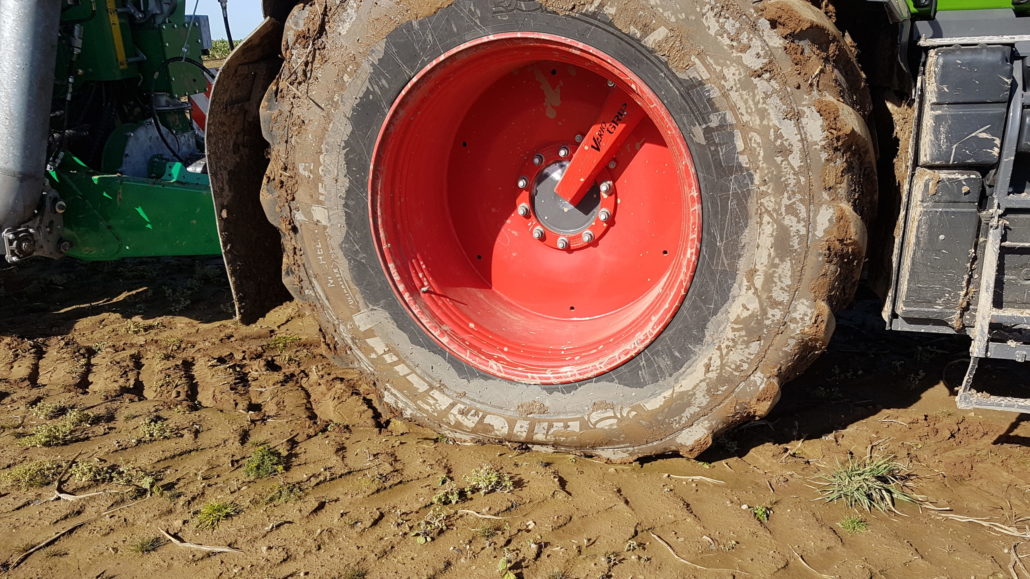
<point x="619" y="116"/>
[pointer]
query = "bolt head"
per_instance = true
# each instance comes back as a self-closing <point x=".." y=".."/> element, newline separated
<point x="612" y="164"/>
<point x="563" y="243"/>
<point x="60" y="207"/>
<point x="611" y="83"/>
<point x="524" y="210"/>
<point x="523" y="183"/>
<point x="588" y="236"/>
<point x="579" y="138"/>
<point x="604" y="215"/>
<point x="606" y="187"/>
<point x="563" y="152"/>
<point x="538" y="160"/>
<point x="538" y="233"/>
<point x="64" y="246"/>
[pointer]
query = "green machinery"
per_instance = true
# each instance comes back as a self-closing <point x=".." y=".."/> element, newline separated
<point x="125" y="168"/>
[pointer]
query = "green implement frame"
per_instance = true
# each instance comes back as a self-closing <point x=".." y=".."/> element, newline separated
<point x="112" y="216"/>
<point x="942" y="5"/>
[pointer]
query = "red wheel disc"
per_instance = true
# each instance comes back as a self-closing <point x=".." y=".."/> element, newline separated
<point x="470" y="236"/>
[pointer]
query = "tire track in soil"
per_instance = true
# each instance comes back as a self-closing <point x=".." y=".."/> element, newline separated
<point x="367" y="482"/>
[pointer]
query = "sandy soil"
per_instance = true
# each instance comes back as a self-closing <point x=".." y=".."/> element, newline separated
<point x="130" y="341"/>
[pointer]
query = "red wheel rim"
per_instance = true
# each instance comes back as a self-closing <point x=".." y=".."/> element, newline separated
<point x="467" y="146"/>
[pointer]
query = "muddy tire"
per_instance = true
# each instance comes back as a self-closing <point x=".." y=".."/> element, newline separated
<point x="780" y="168"/>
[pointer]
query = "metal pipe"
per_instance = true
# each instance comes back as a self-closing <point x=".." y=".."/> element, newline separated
<point x="28" y="37"/>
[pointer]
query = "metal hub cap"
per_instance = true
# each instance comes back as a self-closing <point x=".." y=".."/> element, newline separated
<point x="535" y="208"/>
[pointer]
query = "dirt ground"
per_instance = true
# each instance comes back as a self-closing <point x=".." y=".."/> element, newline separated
<point x="177" y="398"/>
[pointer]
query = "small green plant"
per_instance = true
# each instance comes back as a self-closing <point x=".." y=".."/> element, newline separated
<point x="47" y="435"/>
<point x="47" y="411"/>
<point x="354" y="573"/>
<point x="154" y="428"/>
<point x="487" y="479"/>
<point x="506" y="566"/>
<point x="281" y="343"/>
<point x="144" y="546"/>
<point x="761" y="513"/>
<point x="430" y="527"/>
<point x="264" y="462"/>
<point x="451" y="495"/>
<point x="875" y="483"/>
<point x="488" y="531"/>
<point x="283" y="493"/>
<point x="140" y="327"/>
<point x="94" y="472"/>
<point x="854" y="525"/>
<point x="212" y="514"/>
<point x="39" y="473"/>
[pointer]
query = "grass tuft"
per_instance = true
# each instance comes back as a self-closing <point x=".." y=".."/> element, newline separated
<point x="875" y="483"/>
<point x="264" y="462"/>
<point x="282" y="342"/>
<point x="284" y="493"/>
<point x="212" y="514"/>
<point x="144" y="546"/>
<point x="854" y="525"/>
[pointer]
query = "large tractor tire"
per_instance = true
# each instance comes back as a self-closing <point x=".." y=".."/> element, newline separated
<point x="415" y="147"/>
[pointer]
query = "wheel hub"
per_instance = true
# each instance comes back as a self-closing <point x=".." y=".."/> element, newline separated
<point x="556" y="214"/>
<point x="552" y="220"/>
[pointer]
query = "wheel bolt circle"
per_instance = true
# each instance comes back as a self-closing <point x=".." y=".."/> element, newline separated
<point x="524" y="210"/>
<point x="563" y="243"/>
<point x="538" y="233"/>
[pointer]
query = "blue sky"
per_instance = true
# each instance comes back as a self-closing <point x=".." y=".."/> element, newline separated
<point x="244" y="16"/>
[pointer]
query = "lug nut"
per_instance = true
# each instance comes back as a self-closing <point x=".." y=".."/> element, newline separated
<point x="523" y="183"/>
<point x="604" y="215"/>
<point x="588" y="236"/>
<point x="524" y="210"/>
<point x="606" y="188"/>
<point x="563" y="243"/>
<point x="538" y="233"/>
<point x="563" y="152"/>
<point x="538" y="160"/>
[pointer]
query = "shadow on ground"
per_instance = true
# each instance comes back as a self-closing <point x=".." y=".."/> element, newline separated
<point x="42" y="298"/>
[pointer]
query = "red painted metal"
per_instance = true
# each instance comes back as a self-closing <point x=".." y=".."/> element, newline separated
<point x="443" y="204"/>
<point x="619" y="116"/>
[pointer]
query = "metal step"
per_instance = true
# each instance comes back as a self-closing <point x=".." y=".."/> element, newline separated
<point x="968" y="399"/>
